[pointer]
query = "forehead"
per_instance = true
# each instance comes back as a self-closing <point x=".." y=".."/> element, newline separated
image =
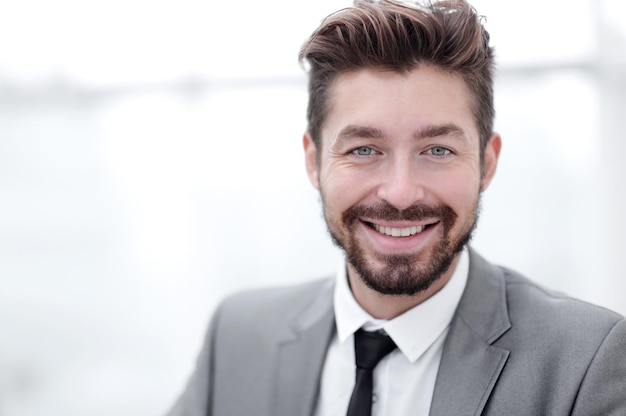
<point x="394" y="101"/>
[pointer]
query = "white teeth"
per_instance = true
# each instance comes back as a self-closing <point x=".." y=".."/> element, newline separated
<point x="399" y="232"/>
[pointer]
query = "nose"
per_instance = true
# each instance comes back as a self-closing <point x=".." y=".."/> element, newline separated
<point x="401" y="183"/>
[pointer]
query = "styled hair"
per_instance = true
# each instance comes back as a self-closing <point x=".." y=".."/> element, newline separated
<point x="389" y="35"/>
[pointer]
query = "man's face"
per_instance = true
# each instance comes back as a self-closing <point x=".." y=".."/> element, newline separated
<point x="399" y="173"/>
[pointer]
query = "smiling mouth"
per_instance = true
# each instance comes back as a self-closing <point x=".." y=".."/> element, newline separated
<point x="399" y="232"/>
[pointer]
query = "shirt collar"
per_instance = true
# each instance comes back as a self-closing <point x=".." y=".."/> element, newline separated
<point x="415" y="330"/>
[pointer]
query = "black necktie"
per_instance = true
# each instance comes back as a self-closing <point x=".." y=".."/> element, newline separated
<point x="369" y="349"/>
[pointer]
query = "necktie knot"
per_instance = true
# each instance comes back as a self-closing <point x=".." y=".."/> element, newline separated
<point x="371" y="347"/>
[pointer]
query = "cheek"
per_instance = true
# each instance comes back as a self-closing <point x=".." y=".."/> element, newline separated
<point x="342" y="188"/>
<point x="460" y="192"/>
<point x="336" y="196"/>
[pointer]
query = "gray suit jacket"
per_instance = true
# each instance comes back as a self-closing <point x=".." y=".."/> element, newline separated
<point x="513" y="349"/>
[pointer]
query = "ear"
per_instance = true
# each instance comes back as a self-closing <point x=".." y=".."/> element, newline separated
<point x="492" y="152"/>
<point x="310" y="157"/>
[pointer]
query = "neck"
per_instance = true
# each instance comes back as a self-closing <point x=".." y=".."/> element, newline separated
<point x="381" y="306"/>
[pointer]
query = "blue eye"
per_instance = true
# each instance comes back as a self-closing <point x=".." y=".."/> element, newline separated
<point x="439" y="151"/>
<point x="363" y="151"/>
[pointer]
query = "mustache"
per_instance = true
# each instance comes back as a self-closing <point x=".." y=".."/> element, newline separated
<point x="385" y="211"/>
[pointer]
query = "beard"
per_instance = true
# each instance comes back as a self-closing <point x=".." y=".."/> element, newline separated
<point x="402" y="274"/>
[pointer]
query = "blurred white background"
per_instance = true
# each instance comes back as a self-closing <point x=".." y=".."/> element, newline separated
<point x="151" y="163"/>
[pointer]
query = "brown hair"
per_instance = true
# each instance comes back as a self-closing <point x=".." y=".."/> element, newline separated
<point x="387" y="35"/>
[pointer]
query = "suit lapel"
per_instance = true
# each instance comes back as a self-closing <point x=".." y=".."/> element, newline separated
<point x="470" y="364"/>
<point x="300" y="356"/>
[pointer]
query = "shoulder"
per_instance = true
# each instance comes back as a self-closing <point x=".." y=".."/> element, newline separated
<point x="273" y="303"/>
<point x="557" y="340"/>
<point x="497" y="290"/>
<point x="549" y="329"/>
<point x="529" y="302"/>
<point x="501" y="304"/>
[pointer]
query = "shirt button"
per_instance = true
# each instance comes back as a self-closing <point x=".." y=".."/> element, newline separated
<point x="374" y="398"/>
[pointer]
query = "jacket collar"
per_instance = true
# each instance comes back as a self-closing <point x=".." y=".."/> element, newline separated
<point x="470" y="363"/>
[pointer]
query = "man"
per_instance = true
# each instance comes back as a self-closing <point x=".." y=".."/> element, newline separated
<point x="400" y="146"/>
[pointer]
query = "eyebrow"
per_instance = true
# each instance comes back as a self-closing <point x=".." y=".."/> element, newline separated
<point x="431" y="131"/>
<point x="361" y="132"/>
<point x="449" y="129"/>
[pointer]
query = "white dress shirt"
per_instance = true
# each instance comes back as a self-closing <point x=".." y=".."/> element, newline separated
<point x="405" y="379"/>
